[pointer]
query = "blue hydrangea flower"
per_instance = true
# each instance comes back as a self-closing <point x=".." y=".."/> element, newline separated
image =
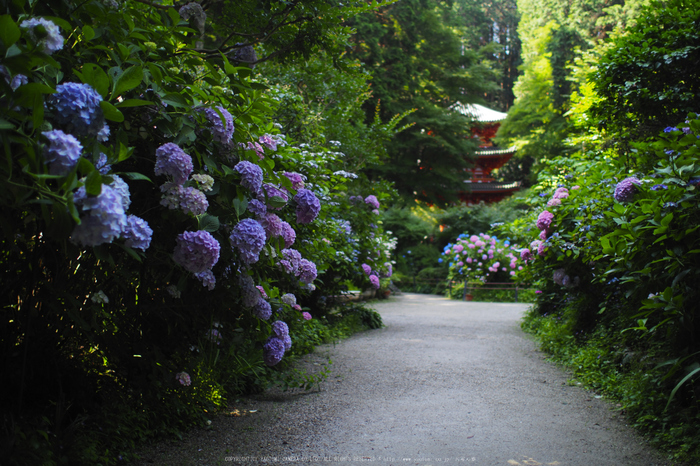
<point x="251" y="175"/>
<point x="137" y="233"/>
<point x="272" y="225"/>
<point x="308" y="206"/>
<point x="372" y="201"/>
<point x="103" y="165"/>
<point x="50" y="40"/>
<point x="105" y="219"/>
<point x="222" y="131"/>
<point x="657" y="187"/>
<point x="196" y="251"/>
<point x="248" y="236"/>
<point x="289" y="298"/>
<point x="374" y="280"/>
<point x="120" y="186"/>
<point x="77" y="108"/>
<point x="262" y="309"/>
<point x="288" y="234"/>
<point x="273" y="351"/>
<point x="17" y="81"/>
<point x="296" y="179"/>
<point x="103" y="134"/>
<point x="172" y="161"/>
<point x="287" y="340"/>
<point x="62" y="153"/>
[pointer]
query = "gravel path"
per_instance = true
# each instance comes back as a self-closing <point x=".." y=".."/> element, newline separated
<point x="445" y="382"/>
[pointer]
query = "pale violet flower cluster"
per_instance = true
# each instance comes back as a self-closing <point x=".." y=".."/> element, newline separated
<point x="293" y="263"/>
<point x="62" y="152"/>
<point x="173" y="162"/>
<point x="137" y="233"/>
<point x="51" y="41"/>
<point x="104" y="219"/>
<point x="277" y="344"/>
<point x="372" y="201"/>
<point x="626" y="189"/>
<point x="251" y="176"/>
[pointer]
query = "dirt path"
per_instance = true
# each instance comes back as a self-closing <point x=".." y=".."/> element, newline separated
<point x="445" y="382"/>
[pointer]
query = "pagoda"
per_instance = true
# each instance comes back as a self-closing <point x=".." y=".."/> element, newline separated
<point x="482" y="187"/>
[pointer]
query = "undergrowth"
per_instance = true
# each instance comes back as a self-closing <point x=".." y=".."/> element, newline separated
<point x="634" y="377"/>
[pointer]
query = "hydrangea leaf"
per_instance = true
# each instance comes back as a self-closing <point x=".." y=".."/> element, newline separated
<point x="9" y="32"/>
<point x="111" y="112"/>
<point x="95" y="76"/>
<point x="209" y="223"/>
<point x="276" y="201"/>
<point x="128" y="80"/>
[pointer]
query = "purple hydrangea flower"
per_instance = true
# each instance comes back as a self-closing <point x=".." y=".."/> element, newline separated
<point x="544" y="221"/>
<point x="306" y="315"/>
<point x="355" y="199"/>
<point x="183" y="378"/>
<point x="558" y="276"/>
<point x="526" y="255"/>
<point x="280" y="329"/>
<point x="120" y="186"/>
<point x="105" y="219"/>
<point x="267" y="141"/>
<point x="262" y="291"/>
<point x="626" y="189"/>
<point x="222" y="131"/>
<point x="249" y="237"/>
<point x="288" y="234"/>
<point x="553" y="202"/>
<point x="259" y="151"/>
<point x="249" y="292"/>
<point x="308" y="206"/>
<point x="62" y="153"/>
<point x="77" y="108"/>
<point x="262" y="309"/>
<point x="658" y="187"/>
<point x="289" y="298"/>
<point x="541" y="249"/>
<point x="372" y="200"/>
<point x="208" y="280"/>
<point x="291" y="258"/>
<point x="307" y="271"/>
<point x="561" y="193"/>
<point x="196" y="251"/>
<point x="256" y="207"/>
<point x="137" y="233"/>
<point x="172" y="161"/>
<point x="296" y="179"/>
<point x="374" y="280"/>
<point x="389" y="269"/>
<point x="273" y="351"/>
<point x="274" y="191"/>
<point x="367" y="269"/>
<point x="272" y="225"/>
<point x="287" y="340"/>
<point x="251" y="175"/>
<point x="51" y="41"/>
<point x="193" y="201"/>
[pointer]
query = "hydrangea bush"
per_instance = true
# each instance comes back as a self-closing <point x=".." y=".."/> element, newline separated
<point x="482" y="258"/>
<point x="150" y="174"/>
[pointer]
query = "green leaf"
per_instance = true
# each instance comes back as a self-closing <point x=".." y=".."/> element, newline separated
<point x="137" y="176"/>
<point x="680" y="384"/>
<point x="111" y="112"/>
<point x="88" y="32"/>
<point x="93" y="183"/>
<point x="209" y="223"/>
<point x="9" y="32"/>
<point x="156" y="73"/>
<point x="240" y="206"/>
<point x="95" y="76"/>
<point x="128" y="80"/>
<point x="276" y="201"/>
<point x="4" y="124"/>
<point x="134" y="103"/>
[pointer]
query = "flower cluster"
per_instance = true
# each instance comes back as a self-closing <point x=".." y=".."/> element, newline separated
<point x="77" y="108"/>
<point x="308" y="206"/>
<point x="183" y="378"/>
<point x="251" y="175"/>
<point x="482" y="258"/>
<point x="172" y="161"/>
<point x="277" y="344"/>
<point x="105" y="220"/>
<point x="296" y="179"/>
<point x="248" y="236"/>
<point x="222" y="130"/>
<point x="626" y="189"/>
<point x="196" y="251"/>
<point x="137" y="233"/>
<point x="50" y="41"/>
<point x="62" y="153"/>
<point x="372" y="201"/>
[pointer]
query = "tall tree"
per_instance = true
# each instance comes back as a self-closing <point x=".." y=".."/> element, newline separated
<point x="418" y="62"/>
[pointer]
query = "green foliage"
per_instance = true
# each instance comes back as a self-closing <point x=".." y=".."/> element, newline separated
<point x="647" y="79"/>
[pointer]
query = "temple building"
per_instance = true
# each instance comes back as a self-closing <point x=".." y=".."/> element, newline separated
<point x="482" y="186"/>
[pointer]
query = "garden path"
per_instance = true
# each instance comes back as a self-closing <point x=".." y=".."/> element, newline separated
<point x="445" y="382"/>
